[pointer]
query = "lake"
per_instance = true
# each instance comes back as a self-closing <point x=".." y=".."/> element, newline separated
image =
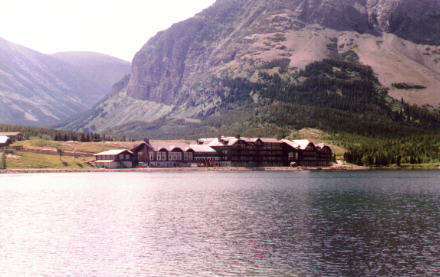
<point x="220" y="224"/>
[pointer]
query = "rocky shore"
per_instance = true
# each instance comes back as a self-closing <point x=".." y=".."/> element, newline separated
<point x="336" y="167"/>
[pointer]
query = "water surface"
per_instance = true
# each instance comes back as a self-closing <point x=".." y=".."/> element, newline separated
<point x="220" y="223"/>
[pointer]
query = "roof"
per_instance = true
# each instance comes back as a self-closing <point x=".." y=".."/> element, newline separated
<point x="253" y="140"/>
<point x="4" y="139"/>
<point x="113" y="152"/>
<point x="202" y="148"/>
<point x="172" y="145"/>
<point x="322" y="145"/>
<point x="271" y="140"/>
<point x="229" y="141"/>
<point x="290" y="143"/>
<point x="138" y="147"/>
<point x="10" y="134"/>
<point x="169" y="145"/>
<point x="206" y="140"/>
<point x="302" y="143"/>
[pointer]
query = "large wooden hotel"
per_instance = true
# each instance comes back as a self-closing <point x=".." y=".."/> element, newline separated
<point x="219" y="152"/>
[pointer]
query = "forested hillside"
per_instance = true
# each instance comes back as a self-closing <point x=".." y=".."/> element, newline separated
<point x="53" y="134"/>
<point x="360" y="69"/>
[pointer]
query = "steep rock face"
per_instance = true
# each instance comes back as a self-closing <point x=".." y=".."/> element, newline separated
<point x="38" y="89"/>
<point x="103" y="70"/>
<point x="167" y="60"/>
<point x="417" y="21"/>
<point x="170" y="63"/>
<point x="178" y="69"/>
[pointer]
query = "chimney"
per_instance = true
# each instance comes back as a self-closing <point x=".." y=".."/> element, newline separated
<point x="147" y="141"/>
<point x="237" y="136"/>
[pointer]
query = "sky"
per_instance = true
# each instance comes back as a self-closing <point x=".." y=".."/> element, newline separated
<point x="115" y="27"/>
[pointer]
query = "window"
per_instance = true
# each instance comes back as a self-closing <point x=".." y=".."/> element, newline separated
<point x="162" y="156"/>
<point x="188" y="156"/>
<point x="175" y="156"/>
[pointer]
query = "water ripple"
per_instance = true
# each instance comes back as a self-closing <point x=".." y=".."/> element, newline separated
<point x="220" y="224"/>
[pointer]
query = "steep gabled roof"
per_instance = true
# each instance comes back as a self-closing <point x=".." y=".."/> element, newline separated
<point x="138" y="147"/>
<point x="290" y="143"/>
<point x="229" y="141"/>
<point x="302" y="143"/>
<point x="114" y="152"/>
<point x="157" y="145"/>
<point x="201" y="148"/>
<point x="322" y="146"/>
<point x="4" y="139"/>
<point x="270" y="140"/>
<point x="169" y="145"/>
<point x="10" y="134"/>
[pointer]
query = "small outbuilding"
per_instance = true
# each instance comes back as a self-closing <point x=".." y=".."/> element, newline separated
<point x="13" y="136"/>
<point x="4" y="142"/>
<point x="114" y="159"/>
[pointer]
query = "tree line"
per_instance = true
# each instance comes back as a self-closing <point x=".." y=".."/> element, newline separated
<point x="58" y="135"/>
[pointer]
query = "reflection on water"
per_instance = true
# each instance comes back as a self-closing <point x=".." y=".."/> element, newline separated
<point x="205" y="224"/>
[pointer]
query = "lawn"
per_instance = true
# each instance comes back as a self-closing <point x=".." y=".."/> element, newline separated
<point x="88" y="147"/>
<point x="27" y="160"/>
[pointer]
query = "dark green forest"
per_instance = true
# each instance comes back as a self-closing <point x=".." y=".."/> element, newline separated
<point x="339" y="96"/>
<point x="58" y="135"/>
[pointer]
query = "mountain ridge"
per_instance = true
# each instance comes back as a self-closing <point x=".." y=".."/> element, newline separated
<point x="181" y="71"/>
<point x="172" y="51"/>
<point x="102" y="69"/>
<point x="37" y="89"/>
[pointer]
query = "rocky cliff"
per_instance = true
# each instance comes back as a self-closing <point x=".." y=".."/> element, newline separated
<point x="101" y="69"/>
<point x="234" y="35"/>
<point x="178" y="70"/>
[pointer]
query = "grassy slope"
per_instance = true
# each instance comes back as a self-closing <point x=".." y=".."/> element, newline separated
<point x="118" y="109"/>
<point x="30" y="160"/>
<point x="88" y="147"/>
<point x="316" y="136"/>
<point x="27" y="160"/>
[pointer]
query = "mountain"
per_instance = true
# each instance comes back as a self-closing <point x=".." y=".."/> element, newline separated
<point x="102" y="69"/>
<point x="38" y="89"/>
<point x="247" y="58"/>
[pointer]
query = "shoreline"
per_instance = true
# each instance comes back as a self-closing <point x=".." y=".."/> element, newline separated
<point x="205" y="169"/>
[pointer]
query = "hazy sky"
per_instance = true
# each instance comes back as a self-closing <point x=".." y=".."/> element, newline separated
<point x="115" y="27"/>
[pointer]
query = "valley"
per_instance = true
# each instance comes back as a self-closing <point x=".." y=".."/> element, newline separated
<point x="365" y="72"/>
<point x="40" y="90"/>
